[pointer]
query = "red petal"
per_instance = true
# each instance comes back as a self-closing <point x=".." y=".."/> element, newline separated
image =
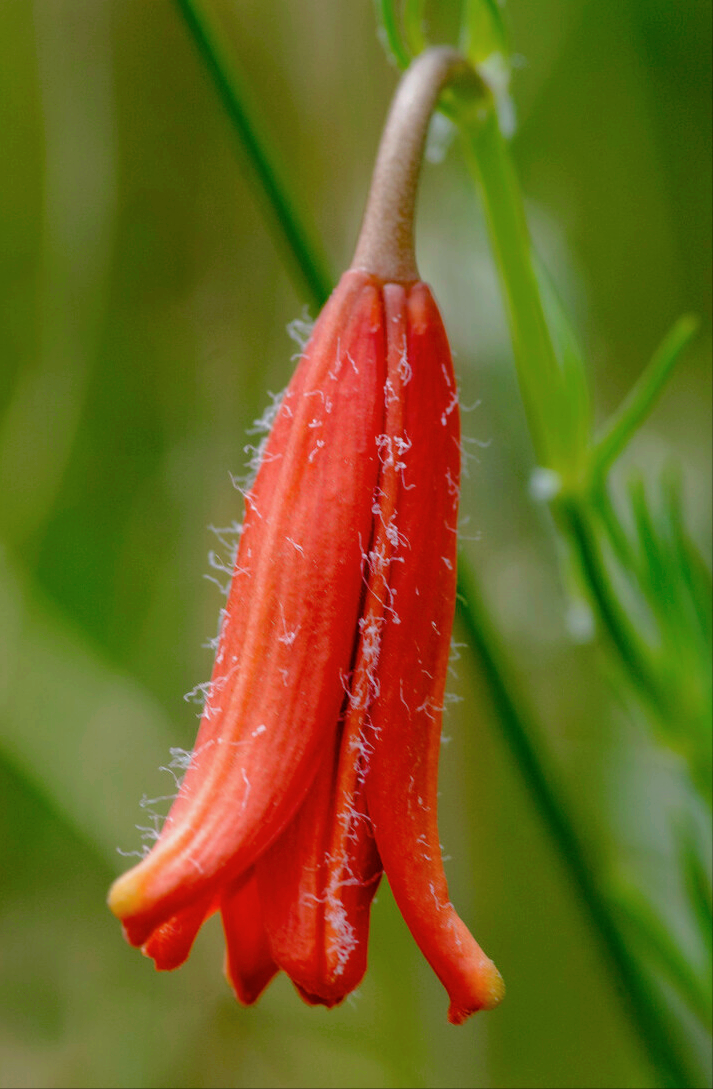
<point x="406" y="716"/>
<point x="319" y="878"/>
<point x="249" y="966"/>
<point x="170" y="943"/>
<point x="276" y="688"/>
<point x="317" y="882"/>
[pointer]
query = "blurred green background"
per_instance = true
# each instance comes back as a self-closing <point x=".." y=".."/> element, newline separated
<point x="143" y="312"/>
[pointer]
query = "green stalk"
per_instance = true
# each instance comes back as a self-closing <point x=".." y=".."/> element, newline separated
<point x="413" y="17"/>
<point x="488" y="158"/>
<point x="540" y="382"/>
<point x="390" y="34"/>
<point x="539" y="378"/>
<point x="298" y="243"/>
<point x="524" y="740"/>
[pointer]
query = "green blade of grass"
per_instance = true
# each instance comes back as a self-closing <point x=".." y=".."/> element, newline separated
<point x="651" y="1020"/>
<point x="622" y="634"/>
<point x="698" y="884"/>
<point x="691" y="564"/>
<point x="413" y="25"/>
<point x="639" y="402"/>
<point x="483" y="30"/>
<point x="648" y="929"/>
<point x="389" y="33"/>
<point x="298" y="244"/>
<point x="491" y="166"/>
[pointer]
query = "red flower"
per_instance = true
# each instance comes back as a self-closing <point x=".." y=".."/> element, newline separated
<point x="316" y="762"/>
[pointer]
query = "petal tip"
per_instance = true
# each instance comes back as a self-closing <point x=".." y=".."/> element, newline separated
<point x="495" y="989"/>
<point x="124" y="897"/>
<point x="328" y="1001"/>
<point x="489" y="994"/>
<point x="247" y="987"/>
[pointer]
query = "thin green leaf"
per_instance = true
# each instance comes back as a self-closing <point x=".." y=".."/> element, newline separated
<point x="575" y="408"/>
<point x="390" y="34"/>
<point x="698" y="885"/>
<point x="657" y="575"/>
<point x="524" y="740"/>
<point x="639" y="402"/>
<point x="623" y="634"/>
<point x="413" y="26"/>
<point x="299" y="244"/>
<point x="690" y="562"/>
<point x="482" y="30"/>
<point x="483" y="40"/>
<point x="622" y="547"/>
<point x="648" y="929"/>
<point x="672" y="665"/>
<point x="488" y="158"/>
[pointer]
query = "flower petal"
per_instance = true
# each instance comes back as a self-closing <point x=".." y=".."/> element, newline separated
<point x="249" y="966"/>
<point x="287" y="637"/>
<point x="170" y="943"/>
<point x="406" y="716"/>
<point x="318" y="879"/>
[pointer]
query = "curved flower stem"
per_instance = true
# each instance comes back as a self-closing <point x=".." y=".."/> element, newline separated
<point x="299" y="245"/>
<point x="652" y="1024"/>
<point x="386" y="244"/>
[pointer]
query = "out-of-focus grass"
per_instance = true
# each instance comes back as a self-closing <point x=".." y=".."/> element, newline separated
<point x="142" y="314"/>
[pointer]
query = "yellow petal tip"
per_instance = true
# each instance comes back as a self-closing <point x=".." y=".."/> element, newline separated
<point x="488" y="993"/>
<point x="124" y="897"/>
<point x="494" y="990"/>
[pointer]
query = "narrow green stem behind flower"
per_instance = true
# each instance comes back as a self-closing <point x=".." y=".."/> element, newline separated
<point x="488" y="159"/>
<point x="299" y="245"/>
<point x="524" y="739"/>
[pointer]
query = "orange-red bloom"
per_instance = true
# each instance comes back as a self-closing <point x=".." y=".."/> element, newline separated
<point x="316" y="761"/>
